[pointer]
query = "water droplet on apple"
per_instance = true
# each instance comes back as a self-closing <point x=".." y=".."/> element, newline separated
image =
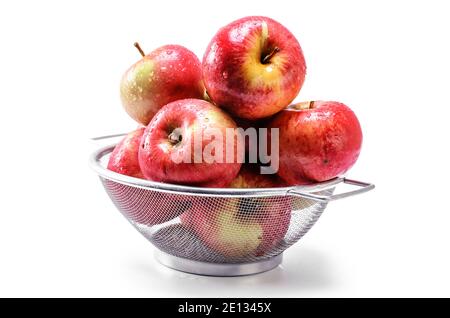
<point x="225" y="75"/>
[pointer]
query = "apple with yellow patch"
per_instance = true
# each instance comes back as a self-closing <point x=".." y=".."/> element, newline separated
<point x="253" y="67"/>
<point x="240" y="227"/>
<point x="167" y="74"/>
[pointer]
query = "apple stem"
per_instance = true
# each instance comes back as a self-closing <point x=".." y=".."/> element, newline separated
<point x="267" y="57"/>
<point x="302" y="105"/>
<point x="206" y="96"/>
<point x="136" y="45"/>
<point x="175" y="137"/>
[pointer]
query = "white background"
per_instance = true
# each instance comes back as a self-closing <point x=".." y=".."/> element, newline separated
<point x="60" y="66"/>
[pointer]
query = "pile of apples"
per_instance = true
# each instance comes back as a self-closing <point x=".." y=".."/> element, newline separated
<point x="252" y="70"/>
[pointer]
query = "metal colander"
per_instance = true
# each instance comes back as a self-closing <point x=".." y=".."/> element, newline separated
<point x="221" y="232"/>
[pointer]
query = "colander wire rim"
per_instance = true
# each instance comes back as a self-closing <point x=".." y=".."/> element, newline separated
<point x="96" y="164"/>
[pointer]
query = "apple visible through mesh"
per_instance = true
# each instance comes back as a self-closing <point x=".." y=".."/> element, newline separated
<point x="252" y="224"/>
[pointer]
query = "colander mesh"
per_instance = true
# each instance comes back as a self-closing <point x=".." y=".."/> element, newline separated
<point x="216" y="229"/>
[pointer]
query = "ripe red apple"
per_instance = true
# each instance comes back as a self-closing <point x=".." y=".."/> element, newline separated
<point x="169" y="73"/>
<point x="250" y="177"/>
<point x="170" y="152"/>
<point x="319" y="140"/>
<point x="253" y="67"/>
<point x="124" y="159"/>
<point x="241" y="227"/>
<point x="145" y="206"/>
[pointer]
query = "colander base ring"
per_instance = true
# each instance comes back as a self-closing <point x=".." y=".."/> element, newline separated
<point x="216" y="269"/>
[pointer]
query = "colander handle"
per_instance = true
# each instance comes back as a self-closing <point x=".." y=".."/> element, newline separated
<point x="107" y="137"/>
<point x="362" y="187"/>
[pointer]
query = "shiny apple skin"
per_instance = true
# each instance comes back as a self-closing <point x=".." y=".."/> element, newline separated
<point x="318" y="143"/>
<point x="237" y="80"/>
<point x="188" y="115"/>
<point x="124" y="159"/>
<point x="167" y="74"/>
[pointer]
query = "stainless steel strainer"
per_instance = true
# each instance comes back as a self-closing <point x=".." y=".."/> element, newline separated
<point x="219" y="232"/>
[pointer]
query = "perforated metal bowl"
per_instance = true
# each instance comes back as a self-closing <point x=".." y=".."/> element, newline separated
<point x="220" y="232"/>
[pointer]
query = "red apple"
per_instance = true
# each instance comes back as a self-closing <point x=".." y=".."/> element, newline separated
<point x="253" y="67"/>
<point x="241" y="227"/>
<point x="124" y="159"/>
<point x="318" y="141"/>
<point x="167" y="74"/>
<point x="170" y="152"/>
<point x="142" y="206"/>
<point x="146" y="207"/>
<point x="250" y="177"/>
